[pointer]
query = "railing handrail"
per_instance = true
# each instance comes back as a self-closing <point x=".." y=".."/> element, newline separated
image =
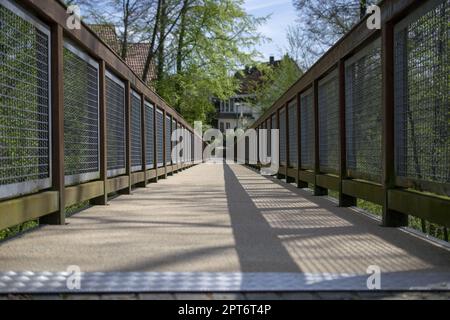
<point x="355" y="38"/>
<point x="46" y="194"/>
<point x="382" y="174"/>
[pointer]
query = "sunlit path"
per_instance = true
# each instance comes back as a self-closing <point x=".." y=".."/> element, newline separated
<point x="229" y="220"/>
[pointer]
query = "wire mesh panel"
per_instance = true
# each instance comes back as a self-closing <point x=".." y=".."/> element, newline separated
<point x="159" y="137"/>
<point x="168" y="140"/>
<point x="269" y="137"/>
<point x="149" y="135"/>
<point x="115" y="124"/>
<point x="422" y="109"/>
<point x="199" y="151"/>
<point x="275" y="126"/>
<point x="186" y="157"/>
<point x="81" y="117"/>
<point x="307" y="130"/>
<point x="136" y="132"/>
<point x="283" y="136"/>
<point x="174" y="128"/>
<point x="192" y="147"/>
<point x="329" y="123"/>
<point x="363" y="113"/>
<point x="180" y="154"/>
<point x="293" y="142"/>
<point x="25" y="103"/>
<point x="185" y="145"/>
<point x="188" y="146"/>
<point x="180" y="159"/>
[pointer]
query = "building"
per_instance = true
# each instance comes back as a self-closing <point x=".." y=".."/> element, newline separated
<point x="136" y="53"/>
<point x="240" y="111"/>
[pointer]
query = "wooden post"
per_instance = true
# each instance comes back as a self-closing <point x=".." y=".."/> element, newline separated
<point x="318" y="191"/>
<point x="269" y="136"/>
<point x="103" y="199"/>
<point x="165" y="146"/>
<point x="288" y="148"/>
<point x="171" y="145"/>
<point x="391" y="218"/>
<point x="57" y="112"/>
<point x="175" y="163"/>
<point x="277" y="121"/>
<point x="155" y="143"/>
<point x="266" y="126"/>
<point x="127" y="190"/>
<point x="143" y="143"/>
<point x="300" y="184"/>
<point x="184" y="149"/>
<point x="344" y="200"/>
<point x="179" y="167"/>
<point x="256" y="166"/>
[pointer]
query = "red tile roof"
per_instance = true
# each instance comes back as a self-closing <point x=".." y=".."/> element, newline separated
<point x="136" y="57"/>
<point x="137" y="52"/>
<point x="107" y="32"/>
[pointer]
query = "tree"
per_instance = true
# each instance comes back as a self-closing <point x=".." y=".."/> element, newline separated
<point x="196" y="46"/>
<point x="275" y="82"/>
<point x="320" y="24"/>
<point x="130" y="17"/>
<point x="167" y="16"/>
<point x="213" y="39"/>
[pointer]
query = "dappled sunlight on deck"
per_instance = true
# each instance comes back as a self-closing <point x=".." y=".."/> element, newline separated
<point x="222" y="218"/>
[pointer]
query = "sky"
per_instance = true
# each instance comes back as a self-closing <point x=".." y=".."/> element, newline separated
<point x="282" y="15"/>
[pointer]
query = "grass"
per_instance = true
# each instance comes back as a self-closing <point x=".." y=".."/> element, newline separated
<point x="429" y="228"/>
<point x="370" y="207"/>
<point x="426" y="227"/>
<point x="76" y="208"/>
<point x="333" y="194"/>
<point x="26" y="226"/>
<point x="13" y="231"/>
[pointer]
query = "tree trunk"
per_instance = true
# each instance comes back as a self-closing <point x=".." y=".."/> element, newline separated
<point x="180" y="47"/>
<point x="151" y="50"/>
<point x="182" y="36"/>
<point x="362" y="8"/>
<point x="126" y="19"/>
<point x="162" y="47"/>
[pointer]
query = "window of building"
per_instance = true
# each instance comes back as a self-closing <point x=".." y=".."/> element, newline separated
<point x="221" y="126"/>
<point x="228" y="125"/>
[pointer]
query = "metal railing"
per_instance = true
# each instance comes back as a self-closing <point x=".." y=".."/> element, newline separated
<point x="25" y="117"/>
<point x="372" y="116"/>
<point x="76" y="124"/>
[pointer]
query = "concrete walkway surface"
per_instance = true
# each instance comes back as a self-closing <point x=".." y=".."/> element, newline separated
<point x="228" y="219"/>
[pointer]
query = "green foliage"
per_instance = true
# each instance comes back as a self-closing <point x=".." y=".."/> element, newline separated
<point x="76" y="208"/>
<point x="23" y="100"/>
<point x="13" y="231"/>
<point x="429" y="228"/>
<point x="370" y="207"/>
<point x="76" y="114"/>
<point x="275" y="82"/>
<point x="212" y="42"/>
<point x="196" y="46"/>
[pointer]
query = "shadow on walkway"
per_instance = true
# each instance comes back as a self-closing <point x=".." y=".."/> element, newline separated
<point x="311" y="234"/>
<point x="256" y="241"/>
